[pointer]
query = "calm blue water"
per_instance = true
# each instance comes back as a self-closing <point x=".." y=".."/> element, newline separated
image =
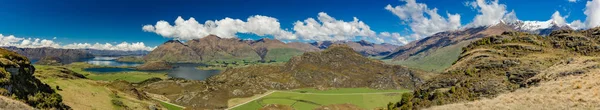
<point x="181" y="70"/>
<point x="108" y="70"/>
<point x="109" y="61"/>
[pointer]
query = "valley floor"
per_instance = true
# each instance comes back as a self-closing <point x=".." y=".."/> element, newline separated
<point x="308" y="99"/>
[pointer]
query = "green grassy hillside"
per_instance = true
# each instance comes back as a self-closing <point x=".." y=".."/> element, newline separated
<point x="436" y="60"/>
<point x="308" y="99"/>
<point x="282" y="54"/>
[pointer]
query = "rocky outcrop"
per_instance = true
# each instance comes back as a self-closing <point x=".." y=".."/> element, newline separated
<point x="154" y="66"/>
<point x="17" y="80"/>
<point x="504" y="63"/>
<point x="337" y="67"/>
<point x="67" y="56"/>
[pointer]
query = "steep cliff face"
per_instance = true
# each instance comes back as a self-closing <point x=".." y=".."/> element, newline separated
<point x="17" y="81"/>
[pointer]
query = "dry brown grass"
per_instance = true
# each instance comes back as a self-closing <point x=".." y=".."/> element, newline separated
<point x="581" y="91"/>
<point x="11" y="104"/>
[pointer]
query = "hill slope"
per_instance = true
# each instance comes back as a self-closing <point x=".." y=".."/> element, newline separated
<point x="338" y="66"/>
<point x="17" y="80"/>
<point x="557" y="90"/>
<point x="439" y="51"/>
<point x="504" y="63"/>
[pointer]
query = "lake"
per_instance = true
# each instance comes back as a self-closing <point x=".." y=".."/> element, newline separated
<point x="181" y="70"/>
<point x="109" y="61"/>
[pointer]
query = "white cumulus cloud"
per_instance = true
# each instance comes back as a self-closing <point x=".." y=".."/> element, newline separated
<point x="391" y="38"/>
<point x="490" y="13"/>
<point x="124" y="46"/>
<point x="414" y="13"/>
<point x="321" y="28"/>
<point x="226" y="28"/>
<point x="592" y="11"/>
<point x="329" y="28"/>
<point x="11" y="40"/>
<point x="558" y="19"/>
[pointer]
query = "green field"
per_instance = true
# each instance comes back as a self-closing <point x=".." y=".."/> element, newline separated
<point x="435" y="61"/>
<point x="308" y="99"/>
<point x="170" y="106"/>
<point x="282" y="54"/>
<point x="133" y="76"/>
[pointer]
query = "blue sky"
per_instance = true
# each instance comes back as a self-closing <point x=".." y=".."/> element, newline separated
<point x="115" y="21"/>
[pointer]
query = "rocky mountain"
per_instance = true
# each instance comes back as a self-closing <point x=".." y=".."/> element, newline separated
<point x="65" y="55"/>
<point x="17" y="81"/>
<point x="214" y="48"/>
<point x="363" y="47"/>
<point x="538" y="27"/>
<point x="513" y="61"/>
<point x="173" y="51"/>
<point x="337" y="67"/>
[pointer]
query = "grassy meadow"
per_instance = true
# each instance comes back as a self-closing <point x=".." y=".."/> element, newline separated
<point x="132" y="76"/>
<point x="87" y="94"/>
<point x="307" y="99"/>
<point x="435" y="61"/>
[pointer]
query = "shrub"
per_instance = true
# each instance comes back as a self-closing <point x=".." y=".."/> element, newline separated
<point x="118" y="103"/>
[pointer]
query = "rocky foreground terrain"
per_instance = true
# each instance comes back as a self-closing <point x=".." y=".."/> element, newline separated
<point x="17" y="81"/>
<point x="337" y="67"/>
<point x="517" y="64"/>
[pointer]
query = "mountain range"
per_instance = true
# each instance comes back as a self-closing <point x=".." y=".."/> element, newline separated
<point x="213" y="48"/>
<point x="441" y="50"/>
<point x="65" y="55"/>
